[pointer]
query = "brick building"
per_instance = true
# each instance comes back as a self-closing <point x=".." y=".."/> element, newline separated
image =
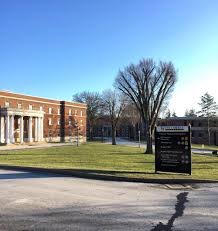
<point x="103" y="128"/>
<point x="198" y="128"/>
<point x="25" y="118"/>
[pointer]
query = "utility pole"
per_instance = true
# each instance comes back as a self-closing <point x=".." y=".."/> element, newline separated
<point x="139" y="138"/>
<point x="102" y="134"/>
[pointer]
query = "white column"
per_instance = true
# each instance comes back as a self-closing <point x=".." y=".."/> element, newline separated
<point x="0" y="129"/>
<point x="2" y="126"/>
<point x="12" y="129"/>
<point x="30" y="129"/>
<point x="21" y="129"/>
<point x="7" y="132"/>
<point x="36" y="129"/>
<point x="39" y="129"/>
<point x="41" y="123"/>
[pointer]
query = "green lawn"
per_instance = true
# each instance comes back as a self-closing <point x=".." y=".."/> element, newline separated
<point x="106" y="159"/>
<point x="208" y="147"/>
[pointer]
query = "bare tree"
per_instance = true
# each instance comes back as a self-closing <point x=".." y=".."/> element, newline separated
<point x="190" y="113"/>
<point x="208" y="109"/>
<point x="174" y="114"/>
<point x="148" y="85"/>
<point x="94" y="104"/>
<point x="131" y="115"/>
<point x="114" y="104"/>
<point x="168" y="114"/>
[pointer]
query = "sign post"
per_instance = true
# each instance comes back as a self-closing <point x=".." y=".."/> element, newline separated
<point x="173" y="149"/>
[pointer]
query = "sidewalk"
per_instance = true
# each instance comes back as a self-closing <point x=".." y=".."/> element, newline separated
<point x="32" y="146"/>
<point x="119" y="141"/>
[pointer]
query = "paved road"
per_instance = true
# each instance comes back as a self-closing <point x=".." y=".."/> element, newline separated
<point x="32" y="146"/>
<point x="31" y="201"/>
<point x="121" y="141"/>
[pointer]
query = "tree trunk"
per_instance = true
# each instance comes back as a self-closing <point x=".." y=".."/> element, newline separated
<point x="113" y="135"/>
<point x="134" y="133"/>
<point x="208" y="129"/>
<point x="90" y="133"/>
<point x="149" y="149"/>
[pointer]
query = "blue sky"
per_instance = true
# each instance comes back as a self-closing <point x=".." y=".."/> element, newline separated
<point x="55" y="48"/>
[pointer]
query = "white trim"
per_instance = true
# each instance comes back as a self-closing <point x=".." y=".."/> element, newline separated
<point x="29" y="100"/>
<point x="37" y="101"/>
<point x="9" y="92"/>
<point x="72" y="106"/>
<point x="172" y="128"/>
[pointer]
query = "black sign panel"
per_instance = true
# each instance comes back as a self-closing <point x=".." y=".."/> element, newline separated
<point x="173" y="149"/>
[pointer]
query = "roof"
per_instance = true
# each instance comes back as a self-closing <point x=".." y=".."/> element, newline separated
<point x="31" y="97"/>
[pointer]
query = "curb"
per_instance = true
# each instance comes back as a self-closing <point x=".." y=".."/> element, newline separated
<point x="93" y="176"/>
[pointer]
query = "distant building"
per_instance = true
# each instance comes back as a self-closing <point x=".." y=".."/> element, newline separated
<point x="198" y="128"/>
<point x="25" y="118"/>
<point x="103" y="128"/>
<point x="124" y="129"/>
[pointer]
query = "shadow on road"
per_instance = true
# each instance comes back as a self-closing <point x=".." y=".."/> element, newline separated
<point x="24" y="175"/>
<point x="179" y="210"/>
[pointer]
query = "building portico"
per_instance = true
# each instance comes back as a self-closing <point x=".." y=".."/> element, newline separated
<point x="28" y="119"/>
<point x="19" y="126"/>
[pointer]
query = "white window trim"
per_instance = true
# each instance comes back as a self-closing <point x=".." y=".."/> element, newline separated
<point x="49" y="121"/>
<point x="7" y="104"/>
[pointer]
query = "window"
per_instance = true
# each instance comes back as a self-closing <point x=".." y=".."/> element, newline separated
<point x="49" y="121"/>
<point x="7" y="104"/>
<point x="76" y="122"/>
<point x="41" y="108"/>
<point x="70" y="122"/>
<point x="81" y="113"/>
<point x="81" y="122"/>
<point x="70" y="112"/>
<point x="58" y="111"/>
<point x="50" y="110"/>
<point x="58" y="121"/>
<point x="75" y="112"/>
<point x="19" y="105"/>
<point x="30" y="107"/>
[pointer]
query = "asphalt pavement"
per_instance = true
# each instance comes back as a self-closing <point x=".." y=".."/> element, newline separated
<point x="121" y="141"/>
<point x="36" y="201"/>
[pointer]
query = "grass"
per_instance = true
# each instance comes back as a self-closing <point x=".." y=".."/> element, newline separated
<point x="106" y="159"/>
<point x="208" y="147"/>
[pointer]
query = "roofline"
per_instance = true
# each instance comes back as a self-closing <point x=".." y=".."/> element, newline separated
<point x="188" y="118"/>
<point x="6" y="91"/>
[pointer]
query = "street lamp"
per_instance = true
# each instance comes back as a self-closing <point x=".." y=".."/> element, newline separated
<point x="139" y="138"/>
<point x="102" y="134"/>
<point x="77" y="131"/>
